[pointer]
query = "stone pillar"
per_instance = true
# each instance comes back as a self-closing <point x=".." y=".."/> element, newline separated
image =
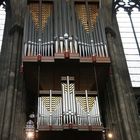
<point x="121" y="92"/>
<point x="12" y="95"/>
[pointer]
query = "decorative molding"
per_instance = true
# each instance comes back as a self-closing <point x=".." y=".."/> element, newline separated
<point x="127" y="6"/>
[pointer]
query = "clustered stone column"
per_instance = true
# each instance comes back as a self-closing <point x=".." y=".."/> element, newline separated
<point x="12" y="93"/>
<point x="122" y="114"/>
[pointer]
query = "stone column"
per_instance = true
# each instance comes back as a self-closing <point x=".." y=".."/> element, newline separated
<point x="12" y="95"/>
<point x="122" y="92"/>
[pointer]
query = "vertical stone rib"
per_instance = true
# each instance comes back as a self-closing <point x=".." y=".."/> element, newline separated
<point x="11" y="86"/>
<point x="11" y="102"/>
<point x="122" y="90"/>
<point x="4" y="65"/>
<point x="17" y="100"/>
<point x="120" y="79"/>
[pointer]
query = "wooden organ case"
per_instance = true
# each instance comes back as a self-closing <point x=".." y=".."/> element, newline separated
<point x="65" y="63"/>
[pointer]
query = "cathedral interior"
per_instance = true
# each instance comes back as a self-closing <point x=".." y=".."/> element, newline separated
<point x="70" y="69"/>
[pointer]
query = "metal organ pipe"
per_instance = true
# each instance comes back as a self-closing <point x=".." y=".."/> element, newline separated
<point x="56" y="25"/>
<point x="81" y="43"/>
<point x="73" y="107"/>
<point x="32" y="40"/>
<point x="98" y="41"/>
<point x="42" y="116"/>
<point x="51" y="39"/>
<point x="88" y="114"/>
<point x="98" y="111"/>
<point x="103" y="35"/>
<point x="46" y="40"/>
<point x="65" y="31"/>
<point x="77" y="115"/>
<point x="84" y="41"/>
<point x="35" y="43"/>
<point x="61" y="31"/>
<point x="73" y="26"/>
<point x="65" y="28"/>
<point x="38" y="114"/>
<point x="49" y="34"/>
<point x="90" y="37"/>
<point x="26" y="34"/>
<point x="40" y="21"/>
<point x="43" y="41"/>
<point x="60" y="115"/>
<point x="64" y="104"/>
<point x="68" y="99"/>
<point x="50" y="107"/>
<point x="69" y="24"/>
<point x="79" y="37"/>
<point x="60" y="27"/>
<point x="29" y="38"/>
<point x="95" y="42"/>
<point x="100" y="38"/>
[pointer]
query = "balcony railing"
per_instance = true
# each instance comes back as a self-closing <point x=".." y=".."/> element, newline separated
<point x="69" y="111"/>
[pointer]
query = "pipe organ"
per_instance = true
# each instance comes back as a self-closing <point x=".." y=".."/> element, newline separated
<point x="65" y="39"/>
<point x="68" y="108"/>
<point x="64" y="26"/>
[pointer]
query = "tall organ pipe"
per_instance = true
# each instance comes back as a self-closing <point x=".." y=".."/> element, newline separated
<point x="79" y="37"/>
<point x="100" y="42"/>
<point x="87" y="104"/>
<point x="97" y="39"/>
<point x="98" y="111"/>
<point x="29" y="39"/>
<point x="68" y="99"/>
<point x="50" y="107"/>
<point x="73" y="25"/>
<point x="65" y="19"/>
<point x="61" y="39"/>
<point x="33" y="41"/>
<point x="81" y="44"/>
<point x="56" y="23"/>
<point x="40" y="19"/>
<point x="82" y="38"/>
<point x="51" y="32"/>
<point x="60" y="18"/>
<point x="46" y="39"/>
<point x="26" y="34"/>
<point x="38" y="114"/>
<point x="90" y="29"/>
<point x="103" y="35"/>
<point x="69" y="24"/>
<point x="64" y="104"/>
<point x="64" y="16"/>
<point x="95" y="42"/>
<point x="74" y="106"/>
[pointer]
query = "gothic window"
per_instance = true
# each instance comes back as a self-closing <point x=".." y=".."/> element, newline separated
<point x="129" y="26"/>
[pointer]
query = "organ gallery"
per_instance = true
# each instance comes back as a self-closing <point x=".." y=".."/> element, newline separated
<point x="63" y="72"/>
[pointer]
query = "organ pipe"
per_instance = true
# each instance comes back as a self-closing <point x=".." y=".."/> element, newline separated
<point x="78" y="115"/>
<point x="64" y="31"/>
<point x="50" y="107"/>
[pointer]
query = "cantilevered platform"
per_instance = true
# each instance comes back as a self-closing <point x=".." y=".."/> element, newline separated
<point x="67" y="56"/>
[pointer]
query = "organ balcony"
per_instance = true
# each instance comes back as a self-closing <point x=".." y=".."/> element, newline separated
<point x="65" y="64"/>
